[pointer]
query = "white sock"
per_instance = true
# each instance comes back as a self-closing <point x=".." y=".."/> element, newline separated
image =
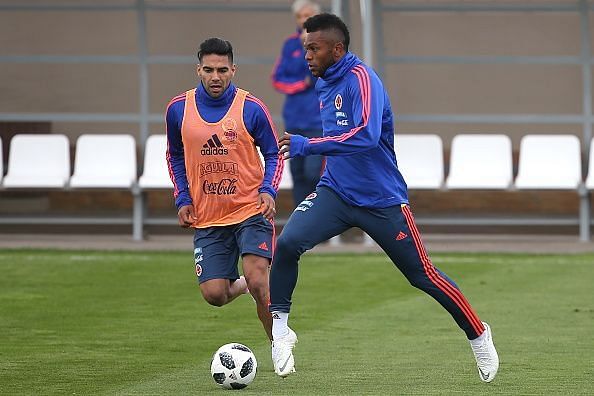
<point x="279" y="324"/>
<point x="239" y="286"/>
<point x="478" y="341"/>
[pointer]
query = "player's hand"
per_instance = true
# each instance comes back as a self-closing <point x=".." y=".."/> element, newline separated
<point x="285" y="145"/>
<point x="266" y="205"/>
<point x="293" y="146"/>
<point x="186" y="216"/>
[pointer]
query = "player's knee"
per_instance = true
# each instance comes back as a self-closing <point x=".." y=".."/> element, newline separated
<point x="256" y="282"/>
<point x="287" y="243"/>
<point x="258" y="289"/>
<point x="419" y="282"/>
<point x="215" y="298"/>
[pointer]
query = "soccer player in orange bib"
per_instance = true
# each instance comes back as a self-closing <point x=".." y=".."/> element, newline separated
<point x="221" y="188"/>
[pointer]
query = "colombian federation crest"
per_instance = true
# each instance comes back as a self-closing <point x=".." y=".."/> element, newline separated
<point x="229" y="126"/>
<point x="197" y="259"/>
<point x="338" y="101"/>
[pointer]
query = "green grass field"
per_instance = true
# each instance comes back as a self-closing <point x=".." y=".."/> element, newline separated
<point x="124" y="323"/>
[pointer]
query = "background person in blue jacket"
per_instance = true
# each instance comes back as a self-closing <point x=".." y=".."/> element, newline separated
<point x="361" y="187"/>
<point x="301" y="111"/>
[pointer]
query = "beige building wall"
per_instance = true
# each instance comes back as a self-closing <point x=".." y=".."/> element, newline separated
<point x="414" y="88"/>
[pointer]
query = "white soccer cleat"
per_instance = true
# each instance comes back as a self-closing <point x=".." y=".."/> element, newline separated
<point x="282" y="354"/>
<point x="487" y="360"/>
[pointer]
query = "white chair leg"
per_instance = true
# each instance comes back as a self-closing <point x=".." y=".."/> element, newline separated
<point x="138" y="214"/>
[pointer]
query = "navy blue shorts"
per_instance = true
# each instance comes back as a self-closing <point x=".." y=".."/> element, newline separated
<point x="217" y="249"/>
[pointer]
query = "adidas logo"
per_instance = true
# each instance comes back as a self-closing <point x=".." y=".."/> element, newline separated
<point x="213" y="146"/>
<point x="401" y="235"/>
<point x="275" y="315"/>
<point x="263" y="246"/>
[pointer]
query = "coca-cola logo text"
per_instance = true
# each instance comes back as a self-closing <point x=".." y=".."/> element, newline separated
<point x="223" y="187"/>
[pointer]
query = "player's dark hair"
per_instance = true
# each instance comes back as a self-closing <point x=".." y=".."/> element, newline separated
<point x="327" y="21"/>
<point x="217" y="46"/>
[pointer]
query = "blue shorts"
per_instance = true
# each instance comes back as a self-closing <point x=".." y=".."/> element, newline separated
<point x="217" y="249"/>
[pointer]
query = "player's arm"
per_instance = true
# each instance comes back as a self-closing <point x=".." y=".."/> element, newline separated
<point x="259" y="124"/>
<point x="289" y="75"/>
<point x="176" y="162"/>
<point x="366" y="96"/>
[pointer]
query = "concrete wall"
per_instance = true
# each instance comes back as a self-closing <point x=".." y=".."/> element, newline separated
<point x="414" y="88"/>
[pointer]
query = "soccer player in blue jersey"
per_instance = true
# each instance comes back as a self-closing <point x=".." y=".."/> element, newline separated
<point x="361" y="187"/>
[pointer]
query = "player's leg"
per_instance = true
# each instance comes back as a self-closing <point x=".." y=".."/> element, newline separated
<point x="256" y="271"/>
<point x="312" y="170"/>
<point x="215" y="257"/>
<point x="255" y="238"/>
<point x="300" y="189"/>
<point x="394" y="229"/>
<point x="219" y="292"/>
<point x="397" y="236"/>
<point x="319" y="217"/>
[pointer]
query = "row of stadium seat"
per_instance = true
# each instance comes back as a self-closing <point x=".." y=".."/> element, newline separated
<point x="485" y="162"/>
<point x="476" y="162"/>
<point x="101" y="161"/>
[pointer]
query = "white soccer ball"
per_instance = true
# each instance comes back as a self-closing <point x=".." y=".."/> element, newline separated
<point x="233" y="366"/>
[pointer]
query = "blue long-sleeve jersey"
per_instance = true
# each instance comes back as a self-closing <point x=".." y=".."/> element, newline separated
<point x="358" y="137"/>
<point x="256" y="118"/>
<point x="292" y="77"/>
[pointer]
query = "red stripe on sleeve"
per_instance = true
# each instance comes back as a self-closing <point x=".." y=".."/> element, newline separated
<point x="171" y="175"/>
<point x="364" y="83"/>
<point x="278" y="172"/>
<point x="176" y="99"/>
<point x="280" y="163"/>
<point x="290" y="88"/>
<point x="265" y="109"/>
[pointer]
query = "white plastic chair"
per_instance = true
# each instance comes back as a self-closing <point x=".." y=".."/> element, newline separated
<point x="590" y="178"/>
<point x="420" y="160"/>
<point x="38" y="161"/>
<point x="155" y="174"/>
<point x="549" y="162"/>
<point x="1" y="162"/>
<point x="480" y="162"/>
<point x="104" y="161"/>
<point x="286" y="178"/>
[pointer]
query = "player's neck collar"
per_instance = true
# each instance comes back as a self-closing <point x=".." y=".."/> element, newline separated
<point x="340" y="68"/>
<point x="202" y="97"/>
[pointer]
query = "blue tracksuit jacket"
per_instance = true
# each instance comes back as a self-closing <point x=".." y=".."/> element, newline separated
<point x="358" y="137"/>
